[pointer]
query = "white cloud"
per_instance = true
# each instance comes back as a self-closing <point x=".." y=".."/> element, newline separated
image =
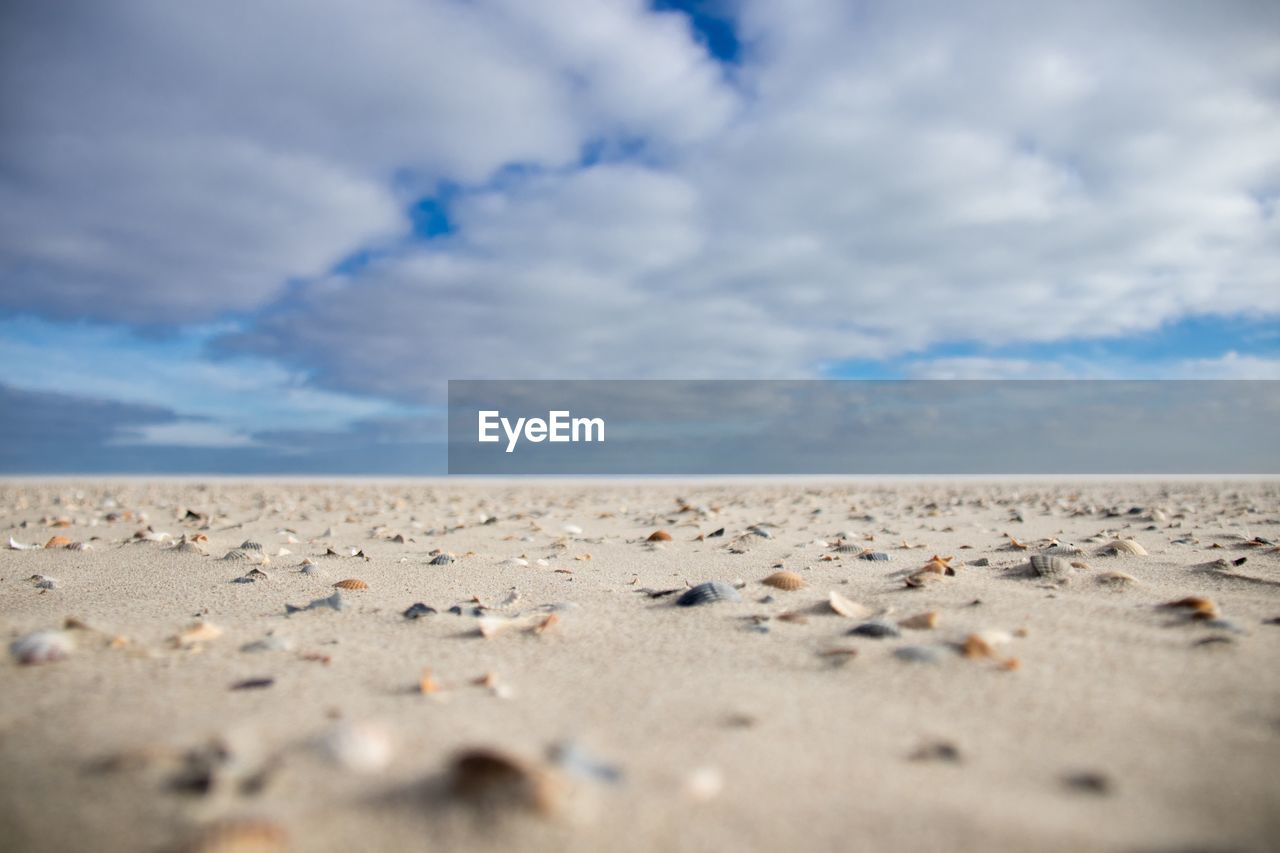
<point x="879" y="178"/>
<point x="184" y="434"/>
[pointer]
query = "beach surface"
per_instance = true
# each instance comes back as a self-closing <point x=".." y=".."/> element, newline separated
<point x="552" y="694"/>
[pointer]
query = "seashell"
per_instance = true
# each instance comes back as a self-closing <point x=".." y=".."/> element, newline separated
<point x="14" y="545"/>
<point x="359" y="747"/>
<point x="981" y="562"/>
<point x="1123" y="546"/>
<point x="1116" y="579"/>
<point x="876" y="628"/>
<point x="486" y="778"/>
<point x="844" y="607"/>
<point x="351" y="583"/>
<point x="418" y="610"/>
<point x="1199" y="607"/>
<point x="57" y="542"/>
<point x="659" y="536"/>
<point x="979" y="646"/>
<point x="250" y="556"/>
<point x="43" y="582"/>
<point x="572" y="529"/>
<point x="849" y="548"/>
<point x="758" y="530"/>
<point x="250" y="545"/>
<point x="441" y="560"/>
<point x="924" y="577"/>
<point x="42" y="647"/>
<point x="784" y="580"/>
<point x="918" y="654"/>
<point x="708" y="593"/>
<point x="186" y="546"/>
<point x="1063" y="551"/>
<point x="243" y="835"/>
<point x="1053" y="568"/>
<point x="921" y="621"/>
<point x="877" y="556"/>
<point x="198" y="632"/>
<point x="516" y="561"/>
<point x="79" y="546"/>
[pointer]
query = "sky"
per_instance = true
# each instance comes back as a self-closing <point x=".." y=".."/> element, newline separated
<point x="259" y="238"/>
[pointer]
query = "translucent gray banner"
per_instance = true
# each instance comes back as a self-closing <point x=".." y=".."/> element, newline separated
<point x="861" y="427"/>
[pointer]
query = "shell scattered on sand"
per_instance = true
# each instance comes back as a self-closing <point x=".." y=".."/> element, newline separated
<point x="42" y="647"/>
<point x="659" y="536"/>
<point x="1198" y="607"/>
<point x="875" y="628"/>
<point x="1116" y="579"/>
<point x="784" y="580"/>
<point x="417" y="610"/>
<point x="844" y="607"/>
<point x="1050" y="568"/>
<point x="921" y="621"/>
<point x="490" y="779"/>
<point x="848" y="548"/>
<point x="351" y="583"/>
<point x="441" y="560"/>
<point x="1117" y="547"/>
<point x="708" y="593"/>
<point x="876" y="556"/>
<point x="196" y="634"/>
<point x="57" y="542"/>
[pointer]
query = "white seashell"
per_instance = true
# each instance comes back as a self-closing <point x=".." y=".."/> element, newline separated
<point x="1123" y="546"/>
<point x="515" y="561"/>
<point x="42" y="647"/>
<point x="359" y="747"/>
<point x="844" y="607"/>
<point x="572" y="529"/>
<point x="18" y="546"/>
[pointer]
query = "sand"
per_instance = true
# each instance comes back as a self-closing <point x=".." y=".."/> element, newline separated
<point x="727" y="732"/>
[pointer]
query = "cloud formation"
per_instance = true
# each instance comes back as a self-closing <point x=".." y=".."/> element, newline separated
<point x="865" y="183"/>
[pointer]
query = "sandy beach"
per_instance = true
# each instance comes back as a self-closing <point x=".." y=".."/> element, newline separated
<point x="209" y="703"/>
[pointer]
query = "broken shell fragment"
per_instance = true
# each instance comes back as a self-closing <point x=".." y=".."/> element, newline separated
<point x="784" y="580"/>
<point x="708" y="593"/>
<point x="1197" y="606"/>
<point x="57" y="542"/>
<point x="844" y="607"/>
<point x="197" y="633"/>
<point x="921" y="621"/>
